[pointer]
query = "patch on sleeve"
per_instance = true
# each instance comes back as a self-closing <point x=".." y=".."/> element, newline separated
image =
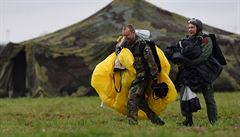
<point x="205" y="41"/>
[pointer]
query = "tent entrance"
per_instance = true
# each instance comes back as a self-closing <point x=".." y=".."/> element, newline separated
<point x="19" y="74"/>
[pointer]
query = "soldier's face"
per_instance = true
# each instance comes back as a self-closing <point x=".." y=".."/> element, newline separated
<point x="192" y="29"/>
<point x="128" y="33"/>
<point x="125" y="31"/>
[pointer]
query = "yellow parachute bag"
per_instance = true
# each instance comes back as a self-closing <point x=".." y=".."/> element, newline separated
<point x="112" y="87"/>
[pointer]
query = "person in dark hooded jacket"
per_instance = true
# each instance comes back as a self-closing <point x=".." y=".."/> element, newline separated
<point x="198" y="68"/>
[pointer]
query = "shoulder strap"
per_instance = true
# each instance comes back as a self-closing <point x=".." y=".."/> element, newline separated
<point x="154" y="51"/>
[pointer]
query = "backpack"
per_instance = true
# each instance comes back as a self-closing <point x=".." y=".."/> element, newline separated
<point x="144" y="35"/>
<point x="217" y="53"/>
<point x="152" y="45"/>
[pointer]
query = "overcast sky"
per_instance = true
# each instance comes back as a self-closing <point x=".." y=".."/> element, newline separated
<point x="25" y="19"/>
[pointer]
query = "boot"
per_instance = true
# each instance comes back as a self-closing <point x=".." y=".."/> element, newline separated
<point x="150" y="114"/>
<point x="132" y="121"/>
<point x="188" y="122"/>
<point x="212" y="122"/>
<point x="132" y="113"/>
<point x="155" y="119"/>
<point x="212" y="116"/>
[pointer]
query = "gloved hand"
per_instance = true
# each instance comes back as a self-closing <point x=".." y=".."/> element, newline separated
<point x="160" y="90"/>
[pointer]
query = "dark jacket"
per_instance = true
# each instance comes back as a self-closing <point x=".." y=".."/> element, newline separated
<point x="200" y="70"/>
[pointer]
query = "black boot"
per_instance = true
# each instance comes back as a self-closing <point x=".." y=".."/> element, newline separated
<point x="213" y="122"/>
<point x="188" y="122"/>
<point x="157" y="121"/>
<point x="150" y="114"/>
<point x="132" y="121"/>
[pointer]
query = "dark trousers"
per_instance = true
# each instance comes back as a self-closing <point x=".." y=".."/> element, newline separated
<point x="208" y="94"/>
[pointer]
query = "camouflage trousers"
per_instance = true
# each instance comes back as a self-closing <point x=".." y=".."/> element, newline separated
<point x="208" y="94"/>
<point x="136" y="100"/>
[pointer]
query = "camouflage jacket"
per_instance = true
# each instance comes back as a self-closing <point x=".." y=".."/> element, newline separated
<point x="144" y="62"/>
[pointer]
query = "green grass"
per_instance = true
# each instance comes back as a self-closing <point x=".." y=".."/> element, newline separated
<point x="73" y="117"/>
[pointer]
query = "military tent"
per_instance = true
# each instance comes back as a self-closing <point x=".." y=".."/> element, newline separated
<point x="42" y="70"/>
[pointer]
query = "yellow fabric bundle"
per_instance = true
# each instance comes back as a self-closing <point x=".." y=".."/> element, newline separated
<point x="112" y="87"/>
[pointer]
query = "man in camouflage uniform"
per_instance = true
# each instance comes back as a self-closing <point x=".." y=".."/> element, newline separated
<point x="146" y="70"/>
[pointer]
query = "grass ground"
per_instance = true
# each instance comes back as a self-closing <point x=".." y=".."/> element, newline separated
<point x="74" y="117"/>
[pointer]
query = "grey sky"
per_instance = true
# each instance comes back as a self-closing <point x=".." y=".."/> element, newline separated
<point x="25" y="19"/>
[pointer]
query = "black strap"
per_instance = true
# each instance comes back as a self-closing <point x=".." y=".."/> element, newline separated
<point x="152" y="45"/>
